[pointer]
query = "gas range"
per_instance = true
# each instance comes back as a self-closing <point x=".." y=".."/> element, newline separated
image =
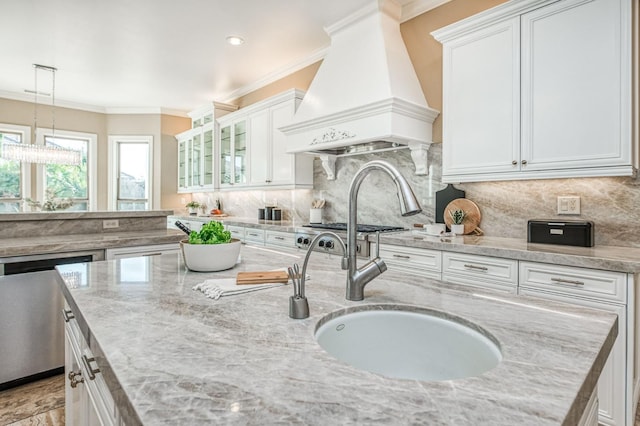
<point x="328" y="244"/>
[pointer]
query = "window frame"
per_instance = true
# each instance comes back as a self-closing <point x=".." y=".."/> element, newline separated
<point x="92" y="163"/>
<point x="114" y="167"/>
<point x="25" y="168"/>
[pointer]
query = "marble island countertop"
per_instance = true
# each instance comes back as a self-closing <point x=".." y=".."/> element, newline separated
<point x="172" y="356"/>
<point x="43" y="244"/>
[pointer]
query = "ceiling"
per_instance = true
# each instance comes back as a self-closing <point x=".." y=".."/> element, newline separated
<point x="119" y="55"/>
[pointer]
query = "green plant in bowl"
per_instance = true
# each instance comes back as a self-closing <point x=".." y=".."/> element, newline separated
<point x="210" y="249"/>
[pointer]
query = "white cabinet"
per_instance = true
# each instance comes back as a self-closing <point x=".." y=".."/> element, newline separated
<point x="602" y="290"/>
<point x="538" y="89"/>
<point x="253" y="149"/>
<point x="237" y="232"/>
<point x="422" y="262"/>
<point x="280" y="239"/>
<point x="196" y="149"/>
<point x="269" y="164"/>
<point x="480" y="271"/>
<point x="88" y="400"/>
<point x="144" y="251"/>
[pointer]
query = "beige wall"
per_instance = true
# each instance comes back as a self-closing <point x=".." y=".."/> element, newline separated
<point x="163" y="128"/>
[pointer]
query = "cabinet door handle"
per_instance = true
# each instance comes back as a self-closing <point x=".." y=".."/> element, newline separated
<point x="565" y="281"/>
<point x="151" y="254"/>
<point x="268" y="180"/>
<point x="514" y="162"/>
<point x="479" y="268"/>
<point x="67" y="314"/>
<point x="401" y="256"/>
<point x="524" y="162"/>
<point x="92" y="371"/>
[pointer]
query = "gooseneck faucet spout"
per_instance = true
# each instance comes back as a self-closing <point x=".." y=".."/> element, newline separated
<point x="357" y="278"/>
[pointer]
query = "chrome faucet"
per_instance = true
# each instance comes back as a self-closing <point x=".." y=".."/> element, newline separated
<point x="298" y="304"/>
<point x="357" y="278"/>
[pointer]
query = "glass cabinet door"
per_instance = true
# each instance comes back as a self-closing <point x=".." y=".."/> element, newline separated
<point x="196" y="158"/>
<point x="240" y="151"/>
<point x="207" y="152"/>
<point x="182" y="172"/>
<point x="226" y="165"/>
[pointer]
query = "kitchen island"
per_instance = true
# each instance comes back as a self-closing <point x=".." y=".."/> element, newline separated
<point x="169" y="355"/>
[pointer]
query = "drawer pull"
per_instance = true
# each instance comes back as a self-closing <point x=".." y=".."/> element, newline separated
<point x="67" y="315"/>
<point x="564" y="281"/>
<point x="401" y="256"/>
<point x="479" y="268"/>
<point x="251" y="234"/>
<point x="92" y="371"/>
<point x="279" y="238"/>
<point x="151" y="254"/>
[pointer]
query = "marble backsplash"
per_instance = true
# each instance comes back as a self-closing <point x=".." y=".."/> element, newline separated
<point x="610" y="202"/>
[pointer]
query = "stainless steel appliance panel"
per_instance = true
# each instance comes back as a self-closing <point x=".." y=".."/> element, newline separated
<point x="31" y="330"/>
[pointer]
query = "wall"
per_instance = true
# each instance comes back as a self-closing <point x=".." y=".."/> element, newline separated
<point x="161" y="127"/>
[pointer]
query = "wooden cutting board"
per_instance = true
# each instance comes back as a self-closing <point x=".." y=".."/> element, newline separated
<point x="443" y="198"/>
<point x="262" y="277"/>
<point x="473" y="217"/>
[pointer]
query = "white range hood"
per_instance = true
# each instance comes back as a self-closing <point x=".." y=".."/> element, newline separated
<point x="365" y="96"/>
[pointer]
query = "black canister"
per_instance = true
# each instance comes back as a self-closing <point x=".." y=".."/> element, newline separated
<point x="276" y="214"/>
<point x="260" y="214"/>
<point x="267" y="212"/>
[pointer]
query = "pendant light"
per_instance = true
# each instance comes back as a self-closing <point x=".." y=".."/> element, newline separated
<point x="41" y="154"/>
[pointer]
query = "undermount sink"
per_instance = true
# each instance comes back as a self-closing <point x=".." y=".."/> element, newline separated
<point x="408" y="342"/>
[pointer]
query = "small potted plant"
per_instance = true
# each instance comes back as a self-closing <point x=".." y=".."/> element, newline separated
<point x="457" y="221"/>
<point x="210" y="249"/>
<point x="193" y="207"/>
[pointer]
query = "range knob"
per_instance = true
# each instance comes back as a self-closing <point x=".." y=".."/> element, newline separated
<point x="299" y="240"/>
<point x="306" y="241"/>
<point x="329" y="244"/>
<point x="321" y="243"/>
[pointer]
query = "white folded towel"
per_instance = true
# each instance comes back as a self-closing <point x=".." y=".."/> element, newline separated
<point x="215" y="289"/>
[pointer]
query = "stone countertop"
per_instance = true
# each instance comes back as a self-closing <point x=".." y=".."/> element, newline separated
<point x="82" y="242"/>
<point x="610" y="258"/>
<point x="74" y="215"/>
<point x="172" y="356"/>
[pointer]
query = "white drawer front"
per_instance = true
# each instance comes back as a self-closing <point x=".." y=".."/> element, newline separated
<point x="424" y="262"/>
<point x="485" y="267"/>
<point x="237" y="232"/>
<point x="254" y="235"/>
<point x="282" y="239"/>
<point x="592" y="283"/>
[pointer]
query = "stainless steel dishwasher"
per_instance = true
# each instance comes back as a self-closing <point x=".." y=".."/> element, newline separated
<point x="31" y="324"/>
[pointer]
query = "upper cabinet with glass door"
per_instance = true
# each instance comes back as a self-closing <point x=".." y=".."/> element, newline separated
<point x="253" y="149"/>
<point x="233" y="153"/>
<point x="196" y="149"/>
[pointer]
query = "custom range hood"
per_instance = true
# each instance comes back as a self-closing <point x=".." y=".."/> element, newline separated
<point x="365" y="96"/>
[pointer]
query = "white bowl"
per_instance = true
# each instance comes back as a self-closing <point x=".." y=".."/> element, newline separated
<point x="210" y="257"/>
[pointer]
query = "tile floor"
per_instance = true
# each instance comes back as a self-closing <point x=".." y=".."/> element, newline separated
<point x="42" y="404"/>
<point x="35" y="404"/>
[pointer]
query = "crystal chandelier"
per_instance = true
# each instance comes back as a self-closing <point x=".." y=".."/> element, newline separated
<point x="41" y="154"/>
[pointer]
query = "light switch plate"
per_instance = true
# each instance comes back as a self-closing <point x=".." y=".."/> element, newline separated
<point x="110" y="223"/>
<point x="568" y="204"/>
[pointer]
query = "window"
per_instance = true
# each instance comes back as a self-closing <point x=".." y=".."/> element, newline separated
<point x="131" y="171"/>
<point x="58" y="184"/>
<point x="15" y="182"/>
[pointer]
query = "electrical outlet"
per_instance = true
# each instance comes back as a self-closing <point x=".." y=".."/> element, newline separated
<point x="568" y="204"/>
<point x="110" y="224"/>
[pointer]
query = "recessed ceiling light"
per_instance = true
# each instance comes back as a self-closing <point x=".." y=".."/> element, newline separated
<point x="235" y="40"/>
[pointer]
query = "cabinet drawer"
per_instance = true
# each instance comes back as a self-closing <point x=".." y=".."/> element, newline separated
<point x="236" y="232"/>
<point x="482" y="271"/>
<point x="281" y="239"/>
<point x="424" y="262"/>
<point x="254" y="235"/>
<point x="592" y="283"/>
